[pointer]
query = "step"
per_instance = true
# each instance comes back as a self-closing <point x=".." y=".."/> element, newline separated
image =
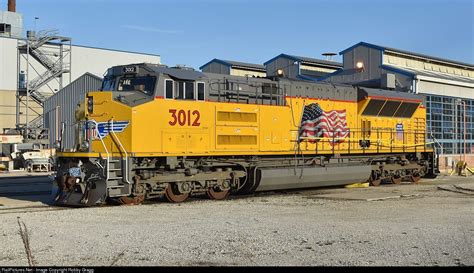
<point x="116" y="178"/>
<point x="115" y="187"/>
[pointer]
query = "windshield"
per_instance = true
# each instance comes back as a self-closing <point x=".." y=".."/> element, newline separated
<point x="108" y="84"/>
<point x="142" y="84"/>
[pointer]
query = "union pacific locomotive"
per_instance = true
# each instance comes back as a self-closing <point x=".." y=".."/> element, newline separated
<point x="154" y="131"/>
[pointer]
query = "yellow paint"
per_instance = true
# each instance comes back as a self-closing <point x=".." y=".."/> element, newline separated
<point x="242" y="129"/>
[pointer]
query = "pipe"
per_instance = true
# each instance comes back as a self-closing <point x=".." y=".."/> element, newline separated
<point x="12" y="5"/>
<point x="464" y="114"/>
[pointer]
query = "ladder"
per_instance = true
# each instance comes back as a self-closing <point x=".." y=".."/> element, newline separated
<point x="109" y="161"/>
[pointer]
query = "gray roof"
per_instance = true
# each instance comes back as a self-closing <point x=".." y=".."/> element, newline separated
<point x="250" y="66"/>
<point x="179" y="73"/>
<point x="306" y="60"/>
<point x="408" y="53"/>
<point x="316" y="61"/>
<point x="389" y="94"/>
<point x="183" y="73"/>
<point x="246" y="65"/>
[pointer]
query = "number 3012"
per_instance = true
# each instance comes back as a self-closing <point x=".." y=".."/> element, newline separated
<point x="183" y="117"/>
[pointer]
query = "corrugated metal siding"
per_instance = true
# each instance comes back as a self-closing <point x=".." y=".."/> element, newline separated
<point x="61" y="108"/>
<point x="290" y="69"/>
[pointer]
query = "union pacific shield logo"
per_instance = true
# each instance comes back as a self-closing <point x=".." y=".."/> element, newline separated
<point x="104" y="128"/>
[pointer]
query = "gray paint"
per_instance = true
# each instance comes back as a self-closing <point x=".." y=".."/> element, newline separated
<point x="218" y="68"/>
<point x="291" y="66"/>
<point x="372" y="59"/>
<point x="63" y="104"/>
<point x="224" y="66"/>
<point x="288" y="65"/>
<point x="291" y="178"/>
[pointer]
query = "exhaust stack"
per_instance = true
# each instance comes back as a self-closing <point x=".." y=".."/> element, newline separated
<point x="12" y="5"/>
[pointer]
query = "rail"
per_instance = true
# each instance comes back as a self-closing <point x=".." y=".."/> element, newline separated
<point x="273" y="95"/>
<point x="359" y="140"/>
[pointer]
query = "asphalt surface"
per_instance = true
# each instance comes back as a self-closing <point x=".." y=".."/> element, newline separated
<point x="423" y="226"/>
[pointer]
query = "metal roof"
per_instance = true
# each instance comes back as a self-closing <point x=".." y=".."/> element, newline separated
<point x="395" y="50"/>
<point x="179" y="73"/>
<point x="251" y="66"/>
<point x="391" y="94"/>
<point x="306" y="60"/>
<point x="426" y="73"/>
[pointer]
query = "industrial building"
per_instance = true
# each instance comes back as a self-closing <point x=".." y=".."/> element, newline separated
<point x="38" y="66"/>
<point x="301" y="68"/>
<point x="234" y="68"/>
<point x="59" y="109"/>
<point x="293" y="67"/>
<point x="447" y="85"/>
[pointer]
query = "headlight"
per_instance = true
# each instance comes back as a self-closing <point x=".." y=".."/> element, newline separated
<point x="85" y="145"/>
<point x="90" y="104"/>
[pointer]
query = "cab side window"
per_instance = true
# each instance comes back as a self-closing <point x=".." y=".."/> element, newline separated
<point x="189" y="91"/>
<point x="180" y="94"/>
<point x="200" y="91"/>
<point x="169" y="89"/>
<point x="184" y="90"/>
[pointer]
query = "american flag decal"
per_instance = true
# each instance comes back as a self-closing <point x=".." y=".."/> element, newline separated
<point x="316" y="123"/>
<point x="104" y="129"/>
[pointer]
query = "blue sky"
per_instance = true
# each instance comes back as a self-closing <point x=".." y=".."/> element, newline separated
<point x="194" y="32"/>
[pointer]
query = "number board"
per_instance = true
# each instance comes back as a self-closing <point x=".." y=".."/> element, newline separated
<point x="130" y="69"/>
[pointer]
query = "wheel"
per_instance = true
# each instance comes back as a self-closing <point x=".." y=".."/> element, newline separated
<point x="374" y="179"/>
<point x="396" y="179"/>
<point x="217" y="194"/>
<point x="375" y="182"/>
<point x="415" y="178"/>
<point x="173" y="195"/>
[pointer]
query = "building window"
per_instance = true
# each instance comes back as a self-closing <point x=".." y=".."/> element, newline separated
<point x="5" y="28"/>
<point x="200" y="91"/>
<point x="445" y="119"/>
<point x="169" y="89"/>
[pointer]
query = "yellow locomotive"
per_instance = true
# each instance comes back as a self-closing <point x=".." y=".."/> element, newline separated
<point x="156" y="131"/>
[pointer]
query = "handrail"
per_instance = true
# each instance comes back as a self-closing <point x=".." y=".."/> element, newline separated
<point x="122" y="149"/>
<point x="435" y="141"/>
<point x="96" y="128"/>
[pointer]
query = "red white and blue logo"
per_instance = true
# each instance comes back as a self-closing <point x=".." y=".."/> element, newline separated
<point x="104" y="128"/>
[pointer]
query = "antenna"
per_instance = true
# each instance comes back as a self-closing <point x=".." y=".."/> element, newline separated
<point x="329" y="55"/>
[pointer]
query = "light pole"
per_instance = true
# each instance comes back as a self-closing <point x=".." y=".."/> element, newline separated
<point x="459" y="101"/>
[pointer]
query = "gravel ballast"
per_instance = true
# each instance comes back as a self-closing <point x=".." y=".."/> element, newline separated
<point x="293" y="228"/>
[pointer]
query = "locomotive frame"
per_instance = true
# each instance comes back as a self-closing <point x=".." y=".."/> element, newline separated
<point x="155" y="131"/>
